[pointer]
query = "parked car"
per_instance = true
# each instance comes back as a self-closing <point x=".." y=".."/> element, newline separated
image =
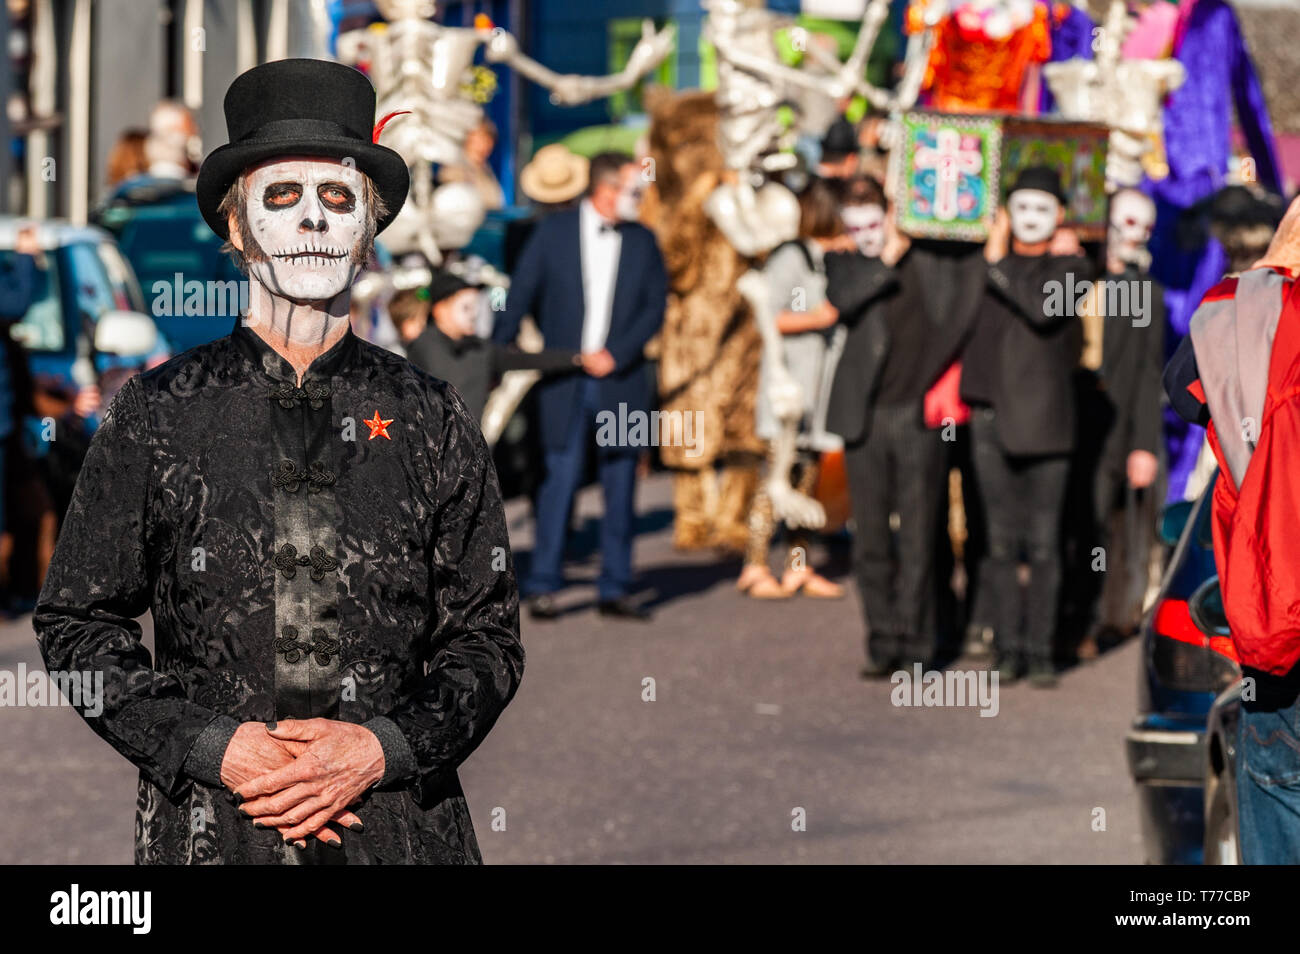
<point x="82" y="279"/>
<point x="1221" y="844"/>
<point x="1188" y="661"/>
<point x="158" y="226"/>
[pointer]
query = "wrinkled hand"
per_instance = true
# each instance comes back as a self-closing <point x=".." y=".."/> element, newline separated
<point x="598" y="363"/>
<point x="253" y="752"/>
<point x="1142" y="468"/>
<point x="336" y="764"/>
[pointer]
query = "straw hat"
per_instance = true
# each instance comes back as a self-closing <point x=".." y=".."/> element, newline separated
<point x="554" y="175"/>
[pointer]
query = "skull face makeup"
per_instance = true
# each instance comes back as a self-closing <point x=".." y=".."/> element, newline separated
<point x="1132" y="217"/>
<point x="307" y="227"/>
<point x="1034" y="215"/>
<point x="866" y="223"/>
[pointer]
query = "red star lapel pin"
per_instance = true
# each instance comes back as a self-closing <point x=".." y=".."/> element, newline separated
<point x="378" y="427"/>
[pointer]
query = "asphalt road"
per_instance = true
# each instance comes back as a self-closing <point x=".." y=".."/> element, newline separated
<point x="758" y="719"/>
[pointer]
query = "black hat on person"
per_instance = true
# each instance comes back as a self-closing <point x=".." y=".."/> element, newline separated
<point x="1042" y="178"/>
<point x="444" y="284"/>
<point x="840" y="140"/>
<point x="301" y="107"/>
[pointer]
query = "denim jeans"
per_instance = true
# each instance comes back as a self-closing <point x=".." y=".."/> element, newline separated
<point x="1268" y="783"/>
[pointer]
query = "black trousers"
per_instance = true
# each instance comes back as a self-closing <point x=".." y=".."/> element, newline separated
<point x="1023" y="499"/>
<point x="898" y="470"/>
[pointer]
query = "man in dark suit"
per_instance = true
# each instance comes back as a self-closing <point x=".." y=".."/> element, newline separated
<point x="594" y="282"/>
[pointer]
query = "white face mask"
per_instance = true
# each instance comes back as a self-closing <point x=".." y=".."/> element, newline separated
<point x="1033" y="214"/>
<point x="309" y="218"/>
<point x="1132" y="216"/>
<point x="866" y="223"/>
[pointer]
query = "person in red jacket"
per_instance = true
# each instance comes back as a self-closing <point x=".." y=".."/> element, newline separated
<point x="1238" y="373"/>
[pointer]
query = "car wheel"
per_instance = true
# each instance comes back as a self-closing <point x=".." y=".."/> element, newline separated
<point x="1220" y="826"/>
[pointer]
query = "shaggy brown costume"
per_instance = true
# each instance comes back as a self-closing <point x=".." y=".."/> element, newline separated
<point x="709" y="348"/>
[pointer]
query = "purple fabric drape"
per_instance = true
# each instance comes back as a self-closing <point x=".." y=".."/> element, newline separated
<point x="1198" y="123"/>
<point x="1071" y="39"/>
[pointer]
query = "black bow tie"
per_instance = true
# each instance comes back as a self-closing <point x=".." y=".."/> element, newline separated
<point x="607" y="227"/>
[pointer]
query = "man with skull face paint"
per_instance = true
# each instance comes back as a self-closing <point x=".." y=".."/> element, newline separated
<point x="314" y="523"/>
<point x="1119" y="436"/>
<point x="1017" y="375"/>
<point x="908" y="306"/>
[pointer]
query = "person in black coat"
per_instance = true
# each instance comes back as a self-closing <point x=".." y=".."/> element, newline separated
<point x="1113" y="498"/>
<point x="1017" y="375"/>
<point x="314" y="525"/>
<point x="447" y="348"/>
<point x="905" y="324"/>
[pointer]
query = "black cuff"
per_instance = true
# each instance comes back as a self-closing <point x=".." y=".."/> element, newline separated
<point x="203" y="763"/>
<point x="399" y="760"/>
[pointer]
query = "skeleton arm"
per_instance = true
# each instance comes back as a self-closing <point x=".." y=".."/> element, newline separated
<point x="786" y="399"/>
<point x="851" y="70"/>
<point x="570" y="89"/>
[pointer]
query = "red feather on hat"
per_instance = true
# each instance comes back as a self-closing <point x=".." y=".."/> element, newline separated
<point x="379" y="126"/>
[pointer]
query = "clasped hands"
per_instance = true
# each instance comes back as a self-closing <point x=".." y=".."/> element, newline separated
<point x="299" y="775"/>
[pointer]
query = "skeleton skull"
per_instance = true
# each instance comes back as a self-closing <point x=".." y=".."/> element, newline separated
<point x="1132" y="217"/>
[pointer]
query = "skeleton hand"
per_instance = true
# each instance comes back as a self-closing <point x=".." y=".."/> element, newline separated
<point x="651" y="49"/>
<point x="793" y="508"/>
<point x="891" y="134"/>
<point x="785" y="396"/>
<point x="572" y="90"/>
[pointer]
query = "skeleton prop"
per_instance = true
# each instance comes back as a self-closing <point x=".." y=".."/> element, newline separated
<point x="1126" y="94"/>
<point x="422" y="67"/>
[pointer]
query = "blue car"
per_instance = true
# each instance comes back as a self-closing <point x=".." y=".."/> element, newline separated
<point x="1178" y="747"/>
<point x="175" y="256"/>
<point x="81" y="279"/>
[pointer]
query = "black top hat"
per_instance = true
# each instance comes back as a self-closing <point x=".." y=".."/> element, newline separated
<point x="300" y="108"/>
<point x="1042" y="178"/>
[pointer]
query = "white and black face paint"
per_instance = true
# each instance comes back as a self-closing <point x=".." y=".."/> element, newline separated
<point x="866" y="223"/>
<point x="308" y="220"/>
<point x="1033" y="215"/>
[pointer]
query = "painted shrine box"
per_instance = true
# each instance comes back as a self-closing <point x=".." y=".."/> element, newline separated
<point x="949" y="173"/>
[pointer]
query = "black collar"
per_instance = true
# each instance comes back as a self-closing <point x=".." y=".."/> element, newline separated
<point x="266" y="359"/>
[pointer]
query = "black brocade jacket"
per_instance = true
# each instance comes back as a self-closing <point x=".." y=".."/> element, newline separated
<point x="298" y="563"/>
